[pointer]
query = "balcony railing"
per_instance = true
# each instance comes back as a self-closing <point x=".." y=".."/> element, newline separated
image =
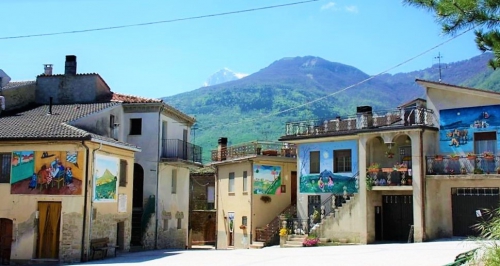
<point x="255" y="148"/>
<point x="462" y="165"/>
<point x="176" y="149"/>
<point x="363" y="121"/>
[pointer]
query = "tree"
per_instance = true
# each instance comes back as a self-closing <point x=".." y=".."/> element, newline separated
<point x="456" y="15"/>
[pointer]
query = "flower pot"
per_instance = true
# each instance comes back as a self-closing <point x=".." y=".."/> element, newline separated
<point x="489" y="157"/>
<point x="438" y="158"/>
<point x="471" y="157"/>
<point x="243" y="227"/>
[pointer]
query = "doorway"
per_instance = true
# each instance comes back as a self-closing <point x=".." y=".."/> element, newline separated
<point x="397" y="217"/>
<point x="293" y="188"/>
<point x="313" y="204"/>
<point x="49" y="219"/>
<point x="5" y="240"/>
<point x="230" y="217"/>
<point x="137" y="205"/>
<point x="120" y="235"/>
<point x="467" y="205"/>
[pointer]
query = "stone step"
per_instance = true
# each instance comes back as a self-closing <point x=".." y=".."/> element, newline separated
<point x="294" y="242"/>
<point x="292" y="245"/>
<point x="296" y="238"/>
<point x="257" y="245"/>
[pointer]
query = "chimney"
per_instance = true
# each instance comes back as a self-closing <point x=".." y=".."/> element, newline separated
<point x="222" y="149"/>
<point x="47" y="69"/>
<point x="70" y="65"/>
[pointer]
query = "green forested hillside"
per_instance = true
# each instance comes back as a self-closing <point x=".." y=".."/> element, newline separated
<point x="258" y="106"/>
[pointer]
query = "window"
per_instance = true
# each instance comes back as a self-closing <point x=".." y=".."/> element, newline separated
<point x="135" y="126"/>
<point x="485" y="141"/>
<point x="245" y="181"/>
<point x="5" y="167"/>
<point x="342" y="161"/>
<point x="314" y="162"/>
<point x="165" y="224"/>
<point x="231" y="182"/>
<point x="112" y="121"/>
<point x="174" y="181"/>
<point x="244" y="220"/>
<point x="179" y="223"/>
<point x="123" y="173"/>
<point x="210" y="198"/>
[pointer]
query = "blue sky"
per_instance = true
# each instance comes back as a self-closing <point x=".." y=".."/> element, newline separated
<point x="167" y="59"/>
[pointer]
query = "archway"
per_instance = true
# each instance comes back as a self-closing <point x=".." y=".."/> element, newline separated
<point x="137" y="205"/>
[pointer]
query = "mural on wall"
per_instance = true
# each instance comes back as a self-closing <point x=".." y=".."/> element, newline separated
<point x="46" y="172"/>
<point x="457" y="128"/>
<point x="267" y="179"/>
<point x="327" y="181"/>
<point x="105" y="178"/>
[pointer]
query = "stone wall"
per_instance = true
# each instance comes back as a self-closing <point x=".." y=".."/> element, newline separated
<point x="19" y="96"/>
<point x="71" y="239"/>
<point x="148" y="238"/>
<point x="172" y="238"/>
<point x="105" y="225"/>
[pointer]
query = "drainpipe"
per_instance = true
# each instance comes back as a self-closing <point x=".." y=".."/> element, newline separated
<point x="82" y="255"/>
<point x="422" y="183"/>
<point x="158" y="158"/>
<point x="91" y="199"/>
<point x="217" y="207"/>
<point x="251" y="204"/>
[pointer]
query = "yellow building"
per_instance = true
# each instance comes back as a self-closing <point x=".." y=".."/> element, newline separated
<point x="255" y="183"/>
<point x="62" y="187"/>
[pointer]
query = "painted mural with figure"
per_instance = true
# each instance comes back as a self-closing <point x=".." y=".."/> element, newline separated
<point x="328" y="167"/>
<point x="106" y="178"/>
<point x="46" y="172"/>
<point x="267" y="179"/>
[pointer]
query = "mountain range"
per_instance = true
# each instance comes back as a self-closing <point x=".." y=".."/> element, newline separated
<point x="257" y="106"/>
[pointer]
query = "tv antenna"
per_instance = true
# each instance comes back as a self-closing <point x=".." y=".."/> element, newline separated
<point x="439" y="64"/>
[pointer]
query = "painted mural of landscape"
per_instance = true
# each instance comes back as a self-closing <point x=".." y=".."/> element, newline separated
<point x="46" y="172"/>
<point x="459" y="125"/>
<point x="267" y="179"/>
<point x="327" y="181"/>
<point x="105" y="178"/>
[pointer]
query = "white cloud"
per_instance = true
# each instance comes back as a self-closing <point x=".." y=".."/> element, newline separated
<point x="330" y="5"/>
<point x="351" y="9"/>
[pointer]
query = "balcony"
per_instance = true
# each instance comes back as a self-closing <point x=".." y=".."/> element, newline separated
<point x="367" y="121"/>
<point x="255" y="148"/>
<point x="387" y="178"/>
<point x="176" y="150"/>
<point x="463" y="165"/>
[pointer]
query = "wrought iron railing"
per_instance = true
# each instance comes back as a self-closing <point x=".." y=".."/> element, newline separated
<point x="462" y="165"/>
<point x="369" y="120"/>
<point x="269" y="148"/>
<point x="297" y="226"/>
<point x="181" y="150"/>
<point x="266" y="234"/>
<point x="334" y="201"/>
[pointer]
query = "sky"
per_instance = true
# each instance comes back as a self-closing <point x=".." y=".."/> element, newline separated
<point x="170" y="58"/>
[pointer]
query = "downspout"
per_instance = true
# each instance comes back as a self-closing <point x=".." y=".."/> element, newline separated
<point x="91" y="200"/>
<point x="422" y="183"/>
<point x="85" y="198"/>
<point x="158" y="158"/>
<point x="251" y="203"/>
<point x="217" y="207"/>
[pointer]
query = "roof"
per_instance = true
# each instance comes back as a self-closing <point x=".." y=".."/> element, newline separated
<point x="118" y="97"/>
<point x="15" y="84"/>
<point x="441" y="85"/>
<point x="37" y="124"/>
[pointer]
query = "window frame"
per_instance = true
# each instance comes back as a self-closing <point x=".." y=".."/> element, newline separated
<point x="5" y="158"/>
<point x="230" y="183"/>
<point x="317" y="168"/>
<point x="135" y="129"/>
<point x="123" y="173"/>
<point x="245" y="181"/>
<point x="346" y="165"/>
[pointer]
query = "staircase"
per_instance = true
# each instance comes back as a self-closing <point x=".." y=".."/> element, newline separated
<point x="269" y="235"/>
<point x="136" y="236"/>
<point x="294" y="241"/>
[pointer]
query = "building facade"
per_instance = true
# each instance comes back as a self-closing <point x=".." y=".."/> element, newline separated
<point x="255" y="184"/>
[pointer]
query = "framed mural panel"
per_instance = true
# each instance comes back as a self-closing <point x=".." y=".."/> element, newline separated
<point x="47" y="172"/>
<point x="328" y="180"/>
<point x="106" y="178"/>
<point x="266" y="179"/>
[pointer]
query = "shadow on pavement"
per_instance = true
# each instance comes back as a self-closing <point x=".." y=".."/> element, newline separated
<point x="132" y="257"/>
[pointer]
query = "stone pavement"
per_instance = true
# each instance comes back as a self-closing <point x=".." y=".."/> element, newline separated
<point x="418" y="254"/>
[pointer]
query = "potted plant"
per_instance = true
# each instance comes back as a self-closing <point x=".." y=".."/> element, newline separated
<point x="488" y="155"/>
<point x="455" y="157"/>
<point x="369" y="182"/>
<point x="265" y="199"/>
<point x="311" y="241"/>
<point x="438" y="158"/>
<point x="389" y="154"/>
<point x="373" y="168"/>
<point x="478" y="170"/>
<point x="471" y="156"/>
<point x="243" y="226"/>
<point x="283" y="236"/>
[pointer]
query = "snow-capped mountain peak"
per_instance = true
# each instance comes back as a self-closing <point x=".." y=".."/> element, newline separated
<point x="223" y="75"/>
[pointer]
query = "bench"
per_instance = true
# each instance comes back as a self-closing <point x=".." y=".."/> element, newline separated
<point x="99" y="248"/>
<point x="463" y="258"/>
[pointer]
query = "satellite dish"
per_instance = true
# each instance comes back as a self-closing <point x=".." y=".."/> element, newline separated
<point x="4" y="79"/>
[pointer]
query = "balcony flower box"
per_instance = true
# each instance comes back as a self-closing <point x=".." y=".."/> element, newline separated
<point x="488" y="155"/>
<point x="455" y="157"/>
<point x="270" y="152"/>
<point x="471" y="156"/>
<point x="438" y="158"/>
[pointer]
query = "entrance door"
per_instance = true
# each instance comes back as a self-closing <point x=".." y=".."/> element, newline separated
<point x="230" y="216"/>
<point x="49" y="219"/>
<point x="5" y="240"/>
<point x="467" y="208"/>
<point x="314" y="204"/>
<point x="137" y="205"/>
<point x="397" y="215"/>
<point x="293" y="191"/>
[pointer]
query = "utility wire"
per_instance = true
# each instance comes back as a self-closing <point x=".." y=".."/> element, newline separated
<point x="156" y="22"/>
<point x="348" y="87"/>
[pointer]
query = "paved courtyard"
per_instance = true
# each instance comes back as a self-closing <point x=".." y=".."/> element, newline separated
<point x="421" y="254"/>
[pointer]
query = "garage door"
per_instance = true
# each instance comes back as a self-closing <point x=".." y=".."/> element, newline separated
<point x="397" y="213"/>
<point x="467" y="208"/>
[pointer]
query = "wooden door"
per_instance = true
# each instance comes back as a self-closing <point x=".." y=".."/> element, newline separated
<point x="294" y="188"/>
<point x="49" y="219"/>
<point x="5" y="240"/>
<point x="397" y="217"/>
